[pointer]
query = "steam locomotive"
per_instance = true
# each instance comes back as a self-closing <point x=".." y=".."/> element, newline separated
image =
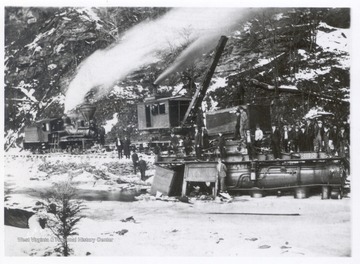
<point x="62" y="133"/>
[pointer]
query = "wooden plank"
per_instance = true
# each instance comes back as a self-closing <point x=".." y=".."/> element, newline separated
<point x="200" y="172"/>
<point x="163" y="181"/>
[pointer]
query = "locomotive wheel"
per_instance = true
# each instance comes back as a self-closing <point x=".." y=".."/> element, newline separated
<point x="301" y="193"/>
<point x="256" y="193"/>
<point x="325" y="192"/>
<point x="335" y="194"/>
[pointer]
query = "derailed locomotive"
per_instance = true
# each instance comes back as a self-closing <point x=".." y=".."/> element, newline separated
<point x="63" y="133"/>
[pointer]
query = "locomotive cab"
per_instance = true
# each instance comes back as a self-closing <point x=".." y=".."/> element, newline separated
<point x="39" y="136"/>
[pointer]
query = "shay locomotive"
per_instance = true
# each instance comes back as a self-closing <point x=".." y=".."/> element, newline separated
<point x="63" y="133"/>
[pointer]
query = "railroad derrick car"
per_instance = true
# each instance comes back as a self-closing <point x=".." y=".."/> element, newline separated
<point x="162" y="113"/>
<point x="158" y="116"/>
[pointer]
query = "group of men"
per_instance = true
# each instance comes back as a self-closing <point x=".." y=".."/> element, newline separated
<point x="312" y="136"/>
<point x="123" y="146"/>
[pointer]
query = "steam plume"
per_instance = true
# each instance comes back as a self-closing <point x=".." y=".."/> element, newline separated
<point x="140" y="44"/>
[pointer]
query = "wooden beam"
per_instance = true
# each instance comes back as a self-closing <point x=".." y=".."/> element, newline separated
<point x="201" y="91"/>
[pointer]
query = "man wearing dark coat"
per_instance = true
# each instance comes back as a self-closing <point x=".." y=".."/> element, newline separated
<point x="126" y="145"/>
<point x="302" y="139"/>
<point x="296" y="138"/>
<point x="135" y="159"/>
<point x="309" y="135"/>
<point x="187" y="145"/>
<point x="198" y="141"/>
<point x="142" y="168"/>
<point x="275" y="141"/>
<point x="318" y="136"/>
<point x="333" y="136"/>
<point x="119" y="147"/>
<point x="343" y="142"/>
<point x="174" y="143"/>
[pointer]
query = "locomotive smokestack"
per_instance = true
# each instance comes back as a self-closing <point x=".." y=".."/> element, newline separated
<point x="87" y="110"/>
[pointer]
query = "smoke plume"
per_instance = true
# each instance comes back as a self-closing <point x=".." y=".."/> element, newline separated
<point x="140" y="44"/>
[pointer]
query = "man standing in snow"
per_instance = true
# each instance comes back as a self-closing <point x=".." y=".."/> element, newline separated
<point x="135" y="159"/>
<point x="119" y="146"/>
<point x="142" y="168"/>
<point x="127" y="147"/>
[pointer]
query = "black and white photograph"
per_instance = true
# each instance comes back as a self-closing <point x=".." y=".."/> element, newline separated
<point x="174" y="130"/>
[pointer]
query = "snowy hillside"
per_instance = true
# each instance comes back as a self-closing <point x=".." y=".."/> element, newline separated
<point x="45" y="48"/>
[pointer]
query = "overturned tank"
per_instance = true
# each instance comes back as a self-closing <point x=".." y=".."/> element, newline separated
<point x="257" y="178"/>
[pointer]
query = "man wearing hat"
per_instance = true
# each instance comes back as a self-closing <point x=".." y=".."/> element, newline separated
<point x="318" y="136"/>
<point x="142" y="167"/>
<point x="302" y="138"/>
<point x="343" y="142"/>
<point x="243" y="122"/>
<point x="275" y="141"/>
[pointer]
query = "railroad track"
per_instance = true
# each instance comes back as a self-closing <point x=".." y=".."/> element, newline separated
<point x="53" y="155"/>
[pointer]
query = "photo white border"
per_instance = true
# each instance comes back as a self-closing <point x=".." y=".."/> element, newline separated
<point x="354" y="110"/>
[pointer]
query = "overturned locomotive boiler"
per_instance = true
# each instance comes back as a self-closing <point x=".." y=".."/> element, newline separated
<point x="257" y="178"/>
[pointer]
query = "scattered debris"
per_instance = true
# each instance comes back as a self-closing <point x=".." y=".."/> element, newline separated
<point x="122" y="232"/>
<point x="264" y="247"/>
<point x="251" y="239"/>
<point x="184" y="199"/>
<point x="217" y="242"/>
<point x="129" y="219"/>
<point x="284" y="247"/>
<point x="225" y="195"/>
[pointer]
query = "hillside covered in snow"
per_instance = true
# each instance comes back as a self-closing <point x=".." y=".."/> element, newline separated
<point x="113" y="55"/>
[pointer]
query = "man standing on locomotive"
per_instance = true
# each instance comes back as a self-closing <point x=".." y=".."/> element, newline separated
<point x="243" y="122"/>
<point x="275" y="141"/>
<point x="174" y="143"/>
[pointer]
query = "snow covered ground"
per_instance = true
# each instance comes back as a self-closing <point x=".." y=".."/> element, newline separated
<point x="245" y="227"/>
